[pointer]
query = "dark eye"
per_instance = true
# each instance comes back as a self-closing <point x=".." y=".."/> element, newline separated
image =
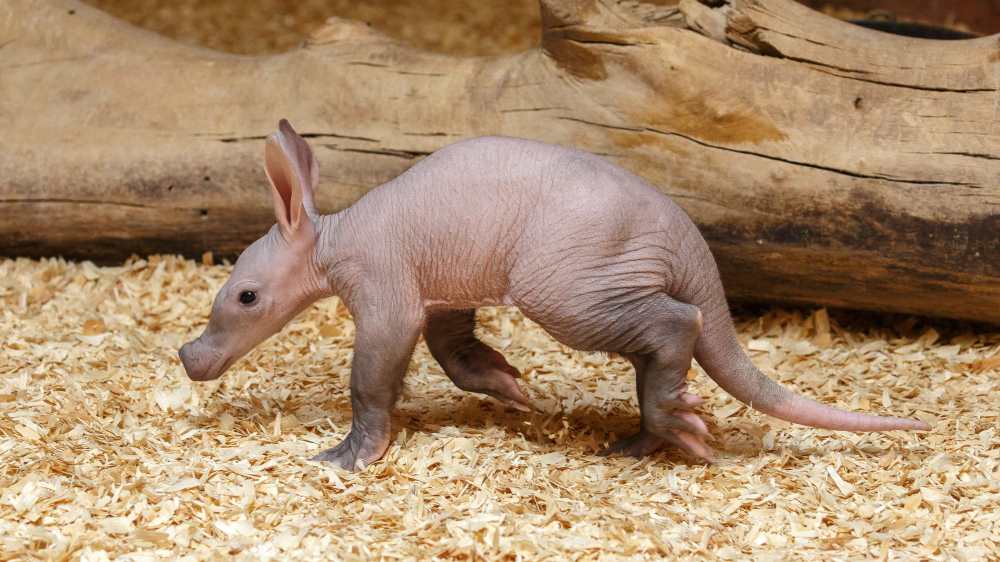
<point x="247" y="297"/>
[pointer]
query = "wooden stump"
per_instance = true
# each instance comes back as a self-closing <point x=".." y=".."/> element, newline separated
<point x="824" y="162"/>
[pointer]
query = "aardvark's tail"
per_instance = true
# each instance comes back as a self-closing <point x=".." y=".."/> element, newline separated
<point x="719" y="353"/>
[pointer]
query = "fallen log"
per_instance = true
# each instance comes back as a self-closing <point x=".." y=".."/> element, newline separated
<point x="825" y="163"/>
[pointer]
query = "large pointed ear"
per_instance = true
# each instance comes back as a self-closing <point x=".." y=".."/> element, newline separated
<point x="294" y="173"/>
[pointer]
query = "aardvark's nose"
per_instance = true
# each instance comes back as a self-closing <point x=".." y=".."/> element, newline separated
<point x="195" y="367"/>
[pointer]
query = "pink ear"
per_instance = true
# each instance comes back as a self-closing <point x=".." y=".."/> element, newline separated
<point x="293" y="172"/>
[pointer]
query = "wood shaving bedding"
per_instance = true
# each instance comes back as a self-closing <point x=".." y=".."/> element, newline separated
<point x="108" y="451"/>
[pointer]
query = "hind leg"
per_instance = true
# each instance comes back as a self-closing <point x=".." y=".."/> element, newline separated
<point x="665" y="418"/>
<point x="472" y="365"/>
<point x="658" y="336"/>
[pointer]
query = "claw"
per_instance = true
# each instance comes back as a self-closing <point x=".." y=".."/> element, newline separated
<point x="683" y="401"/>
<point x="509" y="392"/>
<point x="694" y="422"/>
<point x="691" y="400"/>
<point x="693" y="444"/>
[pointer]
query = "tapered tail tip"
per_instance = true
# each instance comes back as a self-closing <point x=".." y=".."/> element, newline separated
<point x="905" y="424"/>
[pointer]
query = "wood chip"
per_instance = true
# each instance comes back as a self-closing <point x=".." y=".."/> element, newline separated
<point x="107" y="451"/>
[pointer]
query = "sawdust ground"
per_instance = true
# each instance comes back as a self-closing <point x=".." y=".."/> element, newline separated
<point x="106" y="449"/>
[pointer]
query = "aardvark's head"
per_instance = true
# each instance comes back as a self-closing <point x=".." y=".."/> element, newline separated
<point x="277" y="276"/>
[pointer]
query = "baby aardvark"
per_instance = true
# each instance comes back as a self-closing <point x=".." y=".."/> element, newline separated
<point x="592" y="253"/>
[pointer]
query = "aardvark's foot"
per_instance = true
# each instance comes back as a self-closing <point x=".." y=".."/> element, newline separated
<point x="485" y="371"/>
<point x="355" y="452"/>
<point x="679" y="427"/>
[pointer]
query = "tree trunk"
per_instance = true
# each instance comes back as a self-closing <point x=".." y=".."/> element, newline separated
<point x="825" y="163"/>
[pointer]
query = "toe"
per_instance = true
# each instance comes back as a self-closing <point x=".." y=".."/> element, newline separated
<point x="691" y="400"/>
<point x="507" y="390"/>
<point x="693" y="444"/>
<point x="694" y="422"/>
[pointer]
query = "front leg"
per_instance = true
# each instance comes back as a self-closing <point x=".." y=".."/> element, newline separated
<point x="469" y="363"/>
<point x="384" y="342"/>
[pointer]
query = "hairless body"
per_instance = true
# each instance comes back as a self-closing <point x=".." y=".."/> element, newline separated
<point x="592" y="253"/>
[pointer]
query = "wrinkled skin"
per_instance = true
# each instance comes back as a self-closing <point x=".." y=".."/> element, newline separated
<point x="592" y="253"/>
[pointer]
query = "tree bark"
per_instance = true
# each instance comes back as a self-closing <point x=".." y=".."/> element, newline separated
<point x="825" y="163"/>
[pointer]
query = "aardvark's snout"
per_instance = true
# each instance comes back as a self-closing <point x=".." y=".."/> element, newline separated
<point x="200" y="363"/>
